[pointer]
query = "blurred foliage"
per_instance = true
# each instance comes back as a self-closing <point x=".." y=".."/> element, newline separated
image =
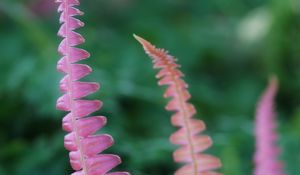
<point x="227" y="49"/>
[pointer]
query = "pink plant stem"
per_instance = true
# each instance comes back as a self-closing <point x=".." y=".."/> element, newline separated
<point x="83" y="145"/>
<point x="267" y="152"/>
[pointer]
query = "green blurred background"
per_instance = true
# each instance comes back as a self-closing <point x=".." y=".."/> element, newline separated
<point x="227" y="48"/>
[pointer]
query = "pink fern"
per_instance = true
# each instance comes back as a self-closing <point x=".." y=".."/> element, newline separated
<point x="84" y="147"/>
<point x="266" y="156"/>
<point x="192" y="143"/>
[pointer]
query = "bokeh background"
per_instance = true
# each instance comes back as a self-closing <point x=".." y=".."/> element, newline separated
<point x="227" y="49"/>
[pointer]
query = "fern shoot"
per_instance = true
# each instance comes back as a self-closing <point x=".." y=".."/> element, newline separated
<point x="81" y="141"/>
<point x="267" y="152"/>
<point x="188" y="136"/>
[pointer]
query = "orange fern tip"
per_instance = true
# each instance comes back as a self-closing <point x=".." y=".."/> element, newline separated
<point x="159" y="56"/>
<point x="148" y="46"/>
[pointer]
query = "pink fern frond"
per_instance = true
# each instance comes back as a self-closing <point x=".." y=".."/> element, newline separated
<point x="188" y="136"/>
<point x="84" y="146"/>
<point x="267" y="152"/>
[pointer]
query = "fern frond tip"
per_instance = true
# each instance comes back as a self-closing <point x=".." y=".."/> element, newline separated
<point x="146" y="45"/>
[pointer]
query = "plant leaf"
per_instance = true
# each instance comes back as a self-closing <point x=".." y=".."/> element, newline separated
<point x="188" y="136"/>
<point x="84" y="147"/>
<point x="267" y="152"/>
